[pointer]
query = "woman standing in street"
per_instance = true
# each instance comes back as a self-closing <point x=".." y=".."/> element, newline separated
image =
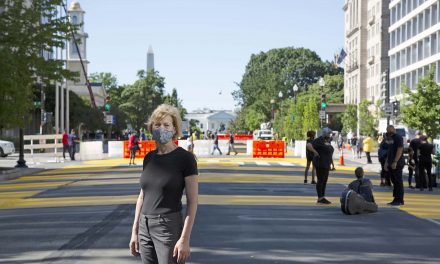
<point x="323" y="155"/>
<point x="159" y="234"/>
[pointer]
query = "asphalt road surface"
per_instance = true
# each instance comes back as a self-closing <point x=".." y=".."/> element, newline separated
<point x="249" y="212"/>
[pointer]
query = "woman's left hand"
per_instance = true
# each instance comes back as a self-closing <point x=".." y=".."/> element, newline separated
<point x="181" y="250"/>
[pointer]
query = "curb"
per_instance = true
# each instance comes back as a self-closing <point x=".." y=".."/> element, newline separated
<point x="18" y="172"/>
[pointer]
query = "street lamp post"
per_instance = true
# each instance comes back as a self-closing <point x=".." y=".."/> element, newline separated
<point x="295" y="89"/>
<point x="272" y="102"/>
<point x="321" y="84"/>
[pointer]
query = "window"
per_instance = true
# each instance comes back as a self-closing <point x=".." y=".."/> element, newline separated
<point x="414" y="27"/>
<point x="201" y="126"/>
<point x="433" y="44"/>
<point x="408" y="56"/>
<point x="408" y="30"/>
<point x="427" y="18"/>
<point x="419" y="50"/>
<point x="75" y="20"/>
<point x="420" y="22"/>
<point x="434" y="15"/>
<point x="414" y="53"/>
<point x="427" y="48"/>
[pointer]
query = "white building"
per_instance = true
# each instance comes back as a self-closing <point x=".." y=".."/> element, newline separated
<point x="213" y="120"/>
<point x="414" y="42"/>
<point x="355" y="75"/>
<point x="76" y="15"/>
<point x="367" y="46"/>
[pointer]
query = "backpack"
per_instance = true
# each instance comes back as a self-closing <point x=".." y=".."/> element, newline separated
<point x="382" y="152"/>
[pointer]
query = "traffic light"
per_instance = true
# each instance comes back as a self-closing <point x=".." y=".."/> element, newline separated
<point x="37" y="104"/>
<point x="396" y="108"/>
<point x="323" y="102"/>
<point x="107" y="103"/>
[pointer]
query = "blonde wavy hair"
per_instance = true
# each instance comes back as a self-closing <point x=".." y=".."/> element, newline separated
<point x="161" y="112"/>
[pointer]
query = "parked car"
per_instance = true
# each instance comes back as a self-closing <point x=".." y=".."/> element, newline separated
<point x="6" y="148"/>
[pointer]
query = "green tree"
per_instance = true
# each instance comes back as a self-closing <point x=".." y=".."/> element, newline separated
<point x="254" y="118"/>
<point x="367" y="126"/>
<point x="421" y="109"/>
<point x="349" y="119"/>
<point x="173" y="99"/>
<point x="268" y="73"/>
<point x="141" y="98"/>
<point x="298" y="122"/>
<point x="310" y="117"/>
<point x="114" y="91"/>
<point x="24" y="37"/>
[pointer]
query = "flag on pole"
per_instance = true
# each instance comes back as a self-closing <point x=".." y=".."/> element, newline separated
<point x="341" y="56"/>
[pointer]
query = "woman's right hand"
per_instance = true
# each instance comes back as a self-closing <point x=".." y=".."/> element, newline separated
<point x="134" y="245"/>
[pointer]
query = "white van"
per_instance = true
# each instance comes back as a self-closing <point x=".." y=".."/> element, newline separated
<point x="264" y="134"/>
<point x="407" y="134"/>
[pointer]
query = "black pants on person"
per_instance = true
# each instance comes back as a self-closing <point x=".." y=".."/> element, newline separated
<point x="322" y="176"/>
<point x="72" y="151"/>
<point x="158" y="234"/>
<point x="65" y="149"/>
<point x="368" y="157"/>
<point x="396" y="177"/>
<point x="425" y="167"/>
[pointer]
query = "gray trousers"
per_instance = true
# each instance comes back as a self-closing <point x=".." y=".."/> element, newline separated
<point x="158" y="234"/>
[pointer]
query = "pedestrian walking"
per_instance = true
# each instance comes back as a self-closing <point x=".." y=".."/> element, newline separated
<point x="65" y="142"/>
<point x="425" y="163"/>
<point x="215" y="144"/>
<point x="340" y="142"/>
<point x="309" y="155"/>
<point x="160" y="234"/>
<point x="394" y="164"/>
<point x="359" y="147"/>
<point x="323" y="155"/>
<point x="133" y="146"/>
<point x="190" y="144"/>
<point x="231" y="144"/>
<point x="72" y="140"/>
<point x="353" y="144"/>
<point x="413" y="160"/>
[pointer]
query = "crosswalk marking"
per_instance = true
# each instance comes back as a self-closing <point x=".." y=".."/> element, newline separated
<point x="21" y="193"/>
<point x="285" y="163"/>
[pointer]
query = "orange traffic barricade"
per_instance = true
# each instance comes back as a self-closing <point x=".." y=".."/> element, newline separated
<point x="268" y="149"/>
<point x="145" y="147"/>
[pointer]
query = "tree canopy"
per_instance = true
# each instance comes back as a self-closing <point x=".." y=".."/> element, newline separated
<point x="421" y="109"/>
<point x="26" y="43"/>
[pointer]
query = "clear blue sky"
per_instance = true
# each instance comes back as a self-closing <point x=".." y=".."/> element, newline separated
<point x="201" y="47"/>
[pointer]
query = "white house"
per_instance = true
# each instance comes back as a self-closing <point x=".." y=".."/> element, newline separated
<point x="213" y="120"/>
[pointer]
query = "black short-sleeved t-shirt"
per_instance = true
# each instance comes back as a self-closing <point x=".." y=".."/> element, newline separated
<point x="163" y="180"/>
<point x="414" y="145"/>
<point x="394" y="142"/>
<point x="325" y="151"/>
<point x="425" y="151"/>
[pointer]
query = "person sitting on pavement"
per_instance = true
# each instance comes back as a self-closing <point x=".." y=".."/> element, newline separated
<point x="358" y="197"/>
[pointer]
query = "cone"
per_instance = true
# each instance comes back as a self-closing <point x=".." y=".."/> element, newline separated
<point x="341" y="158"/>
